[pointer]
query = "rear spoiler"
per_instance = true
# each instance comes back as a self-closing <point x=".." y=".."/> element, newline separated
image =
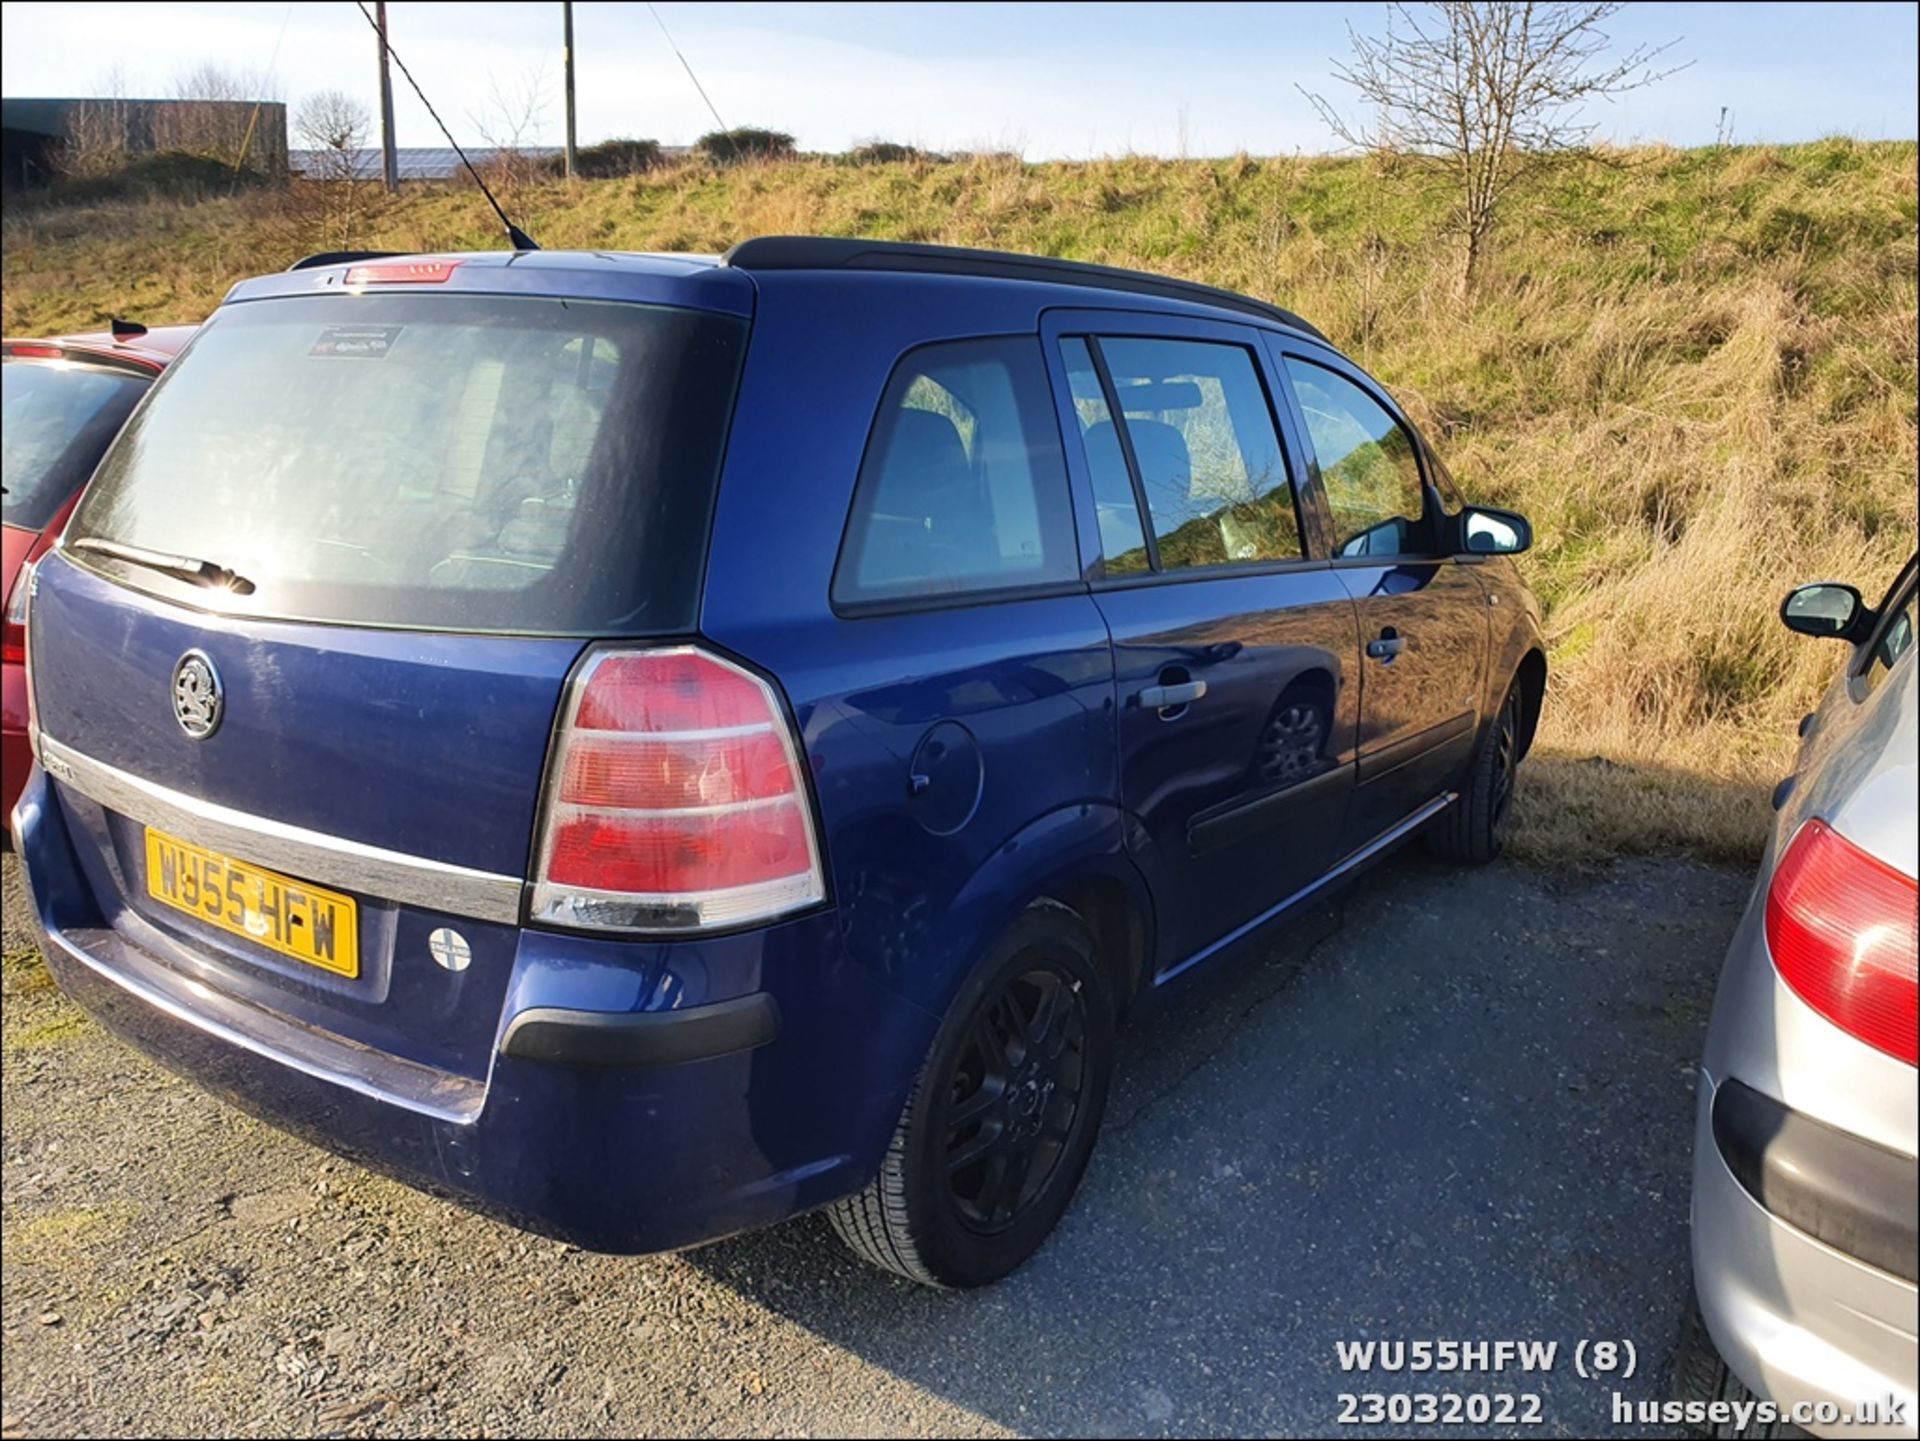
<point x="341" y="257"/>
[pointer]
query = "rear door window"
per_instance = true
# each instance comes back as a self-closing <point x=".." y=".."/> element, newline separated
<point x="462" y="462"/>
<point x="1202" y="437"/>
<point x="58" y="417"/>
<point x="963" y="489"/>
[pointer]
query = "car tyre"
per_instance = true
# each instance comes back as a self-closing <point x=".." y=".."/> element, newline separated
<point x="1699" y="1374"/>
<point x="1474" y="828"/>
<point x="996" y="1136"/>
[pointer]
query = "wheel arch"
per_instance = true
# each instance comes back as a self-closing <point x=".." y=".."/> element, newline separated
<point x="1120" y="926"/>
<point x="1074" y="858"/>
<point x="1531" y="676"/>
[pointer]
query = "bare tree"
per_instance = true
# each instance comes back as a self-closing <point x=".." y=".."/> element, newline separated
<point x="324" y="206"/>
<point x="116" y="82"/>
<point x="1484" y="93"/>
<point x="227" y="130"/>
<point x="96" y="139"/>
<point x="208" y="79"/>
<point x="514" y="119"/>
<point x="334" y="125"/>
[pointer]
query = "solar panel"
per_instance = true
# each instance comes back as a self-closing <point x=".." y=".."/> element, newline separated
<point x="411" y="162"/>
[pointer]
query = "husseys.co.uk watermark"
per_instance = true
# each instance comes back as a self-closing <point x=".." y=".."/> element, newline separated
<point x="1890" y="1412"/>
<point x="1594" y="1359"/>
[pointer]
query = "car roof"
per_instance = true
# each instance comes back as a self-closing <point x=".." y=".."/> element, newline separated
<point x="817" y="252"/>
<point x="152" y="349"/>
<point x="727" y="282"/>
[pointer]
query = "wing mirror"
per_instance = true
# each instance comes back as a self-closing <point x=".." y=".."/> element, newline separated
<point x="1486" y="531"/>
<point x="1827" y="609"/>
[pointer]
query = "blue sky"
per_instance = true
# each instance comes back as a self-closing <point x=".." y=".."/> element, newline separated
<point x="1071" y="80"/>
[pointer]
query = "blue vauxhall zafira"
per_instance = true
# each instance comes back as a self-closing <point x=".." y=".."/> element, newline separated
<point x="647" y="745"/>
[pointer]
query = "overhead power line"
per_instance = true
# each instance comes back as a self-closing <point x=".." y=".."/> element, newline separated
<point x="683" y="62"/>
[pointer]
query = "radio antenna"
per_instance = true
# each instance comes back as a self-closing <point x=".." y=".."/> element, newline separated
<point x="516" y="237"/>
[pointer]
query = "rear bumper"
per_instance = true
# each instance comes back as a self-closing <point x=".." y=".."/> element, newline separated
<point x="616" y="1131"/>
<point x="1859" y="1198"/>
<point x="1796" y="1318"/>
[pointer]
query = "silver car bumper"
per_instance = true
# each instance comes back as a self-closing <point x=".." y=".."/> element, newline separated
<point x="1796" y="1319"/>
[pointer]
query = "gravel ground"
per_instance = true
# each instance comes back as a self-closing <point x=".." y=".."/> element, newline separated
<point x="1458" y="1104"/>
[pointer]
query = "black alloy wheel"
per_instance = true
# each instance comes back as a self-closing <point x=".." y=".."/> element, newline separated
<point x="1003" y="1118"/>
<point x="1506" y="758"/>
<point x="1015" y="1097"/>
<point x="1474" y="828"/>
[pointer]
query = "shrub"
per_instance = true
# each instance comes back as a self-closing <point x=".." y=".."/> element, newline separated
<point x="612" y="159"/>
<point x="887" y="152"/>
<point x="173" y="174"/>
<point x="746" y="142"/>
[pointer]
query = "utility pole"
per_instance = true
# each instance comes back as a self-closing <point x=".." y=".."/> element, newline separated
<point x="566" y="57"/>
<point x="389" y="161"/>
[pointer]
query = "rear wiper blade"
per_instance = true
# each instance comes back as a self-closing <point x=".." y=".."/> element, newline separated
<point x="207" y="573"/>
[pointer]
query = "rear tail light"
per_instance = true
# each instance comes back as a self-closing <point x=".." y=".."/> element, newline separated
<point x="1842" y="929"/>
<point x="13" y="642"/>
<point x="674" y="800"/>
<point x="407" y="272"/>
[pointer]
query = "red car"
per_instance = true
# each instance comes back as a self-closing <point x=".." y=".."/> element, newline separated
<point x="65" y="400"/>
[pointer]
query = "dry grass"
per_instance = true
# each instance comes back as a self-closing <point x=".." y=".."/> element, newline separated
<point x="1695" y="371"/>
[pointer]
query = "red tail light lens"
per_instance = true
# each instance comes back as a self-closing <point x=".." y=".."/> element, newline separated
<point x="13" y="641"/>
<point x="1842" y="929"/>
<point x="674" y="799"/>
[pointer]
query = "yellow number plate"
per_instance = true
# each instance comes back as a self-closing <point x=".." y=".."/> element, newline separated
<point x="292" y="917"/>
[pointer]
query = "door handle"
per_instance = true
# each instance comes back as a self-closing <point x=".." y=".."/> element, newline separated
<point x="1387" y="646"/>
<point x="1169" y="697"/>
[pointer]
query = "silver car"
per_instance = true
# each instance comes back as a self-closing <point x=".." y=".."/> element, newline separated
<point x="1804" y="1198"/>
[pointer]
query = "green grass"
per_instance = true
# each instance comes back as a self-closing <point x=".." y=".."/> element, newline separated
<point x="1694" y="370"/>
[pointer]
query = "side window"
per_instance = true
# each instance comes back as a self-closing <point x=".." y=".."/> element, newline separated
<point x="1208" y="454"/>
<point x="1121" y="538"/>
<point x="1894" y="640"/>
<point x="1367" y="465"/>
<point x="963" y="488"/>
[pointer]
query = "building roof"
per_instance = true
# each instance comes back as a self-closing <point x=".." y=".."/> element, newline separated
<point x="51" y="116"/>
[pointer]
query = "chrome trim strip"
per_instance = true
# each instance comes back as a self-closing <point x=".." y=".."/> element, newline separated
<point x="676" y="912"/>
<point x="311" y="855"/>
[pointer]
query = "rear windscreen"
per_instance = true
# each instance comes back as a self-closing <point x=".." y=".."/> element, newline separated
<point x="453" y="462"/>
<point x="58" y="417"/>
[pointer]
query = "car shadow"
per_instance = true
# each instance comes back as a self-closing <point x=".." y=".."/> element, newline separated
<point x="1450" y="1104"/>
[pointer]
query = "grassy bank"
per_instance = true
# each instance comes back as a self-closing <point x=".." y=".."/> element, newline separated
<point x="1695" y="371"/>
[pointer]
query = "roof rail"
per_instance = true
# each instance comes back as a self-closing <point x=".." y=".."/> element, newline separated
<point x="341" y="257"/>
<point x="821" y="252"/>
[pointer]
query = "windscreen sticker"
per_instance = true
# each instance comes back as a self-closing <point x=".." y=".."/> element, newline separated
<point x="356" y="342"/>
